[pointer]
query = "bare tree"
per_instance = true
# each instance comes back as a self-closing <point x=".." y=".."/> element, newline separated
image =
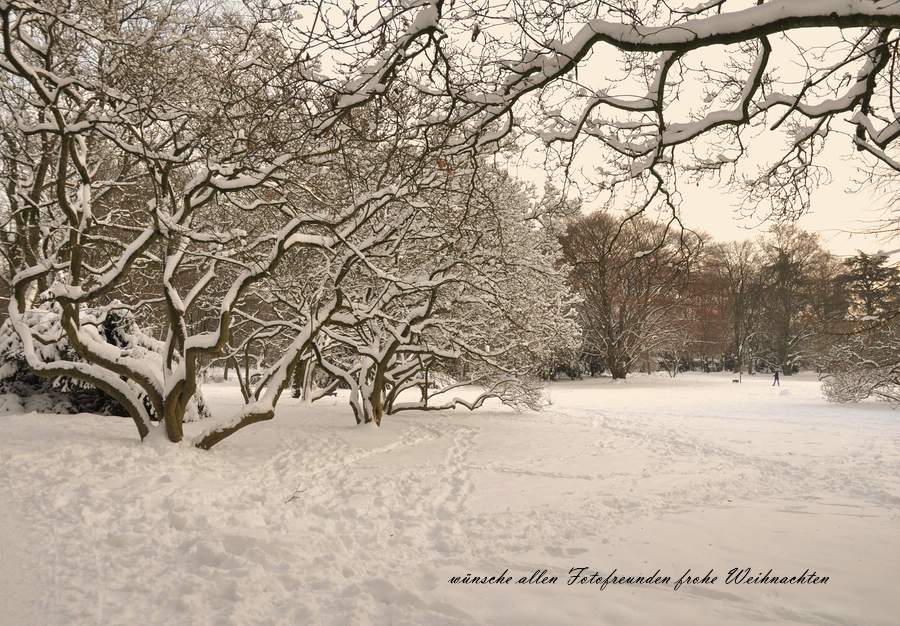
<point x="631" y="277"/>
<point x="792" y="288"/>
<point x="738" y="267"/>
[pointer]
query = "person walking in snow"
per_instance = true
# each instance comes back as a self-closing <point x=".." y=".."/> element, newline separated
<point x="777" y="380"/>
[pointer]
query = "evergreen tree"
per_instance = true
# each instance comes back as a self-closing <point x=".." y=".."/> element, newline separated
<point x="872" y="284"/>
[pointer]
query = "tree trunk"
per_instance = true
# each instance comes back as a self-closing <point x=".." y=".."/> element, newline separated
<point x="425" y="389"/>
<point x="376" y="397"/>
<point x="173" y="411"/>
<point x="298" y="384"/>
<point x="618" y="370"/>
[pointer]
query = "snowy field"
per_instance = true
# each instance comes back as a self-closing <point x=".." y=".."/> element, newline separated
<point x="310" y="520"/>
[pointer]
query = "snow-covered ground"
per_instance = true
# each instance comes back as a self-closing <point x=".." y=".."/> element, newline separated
<point x="309" y="519"/>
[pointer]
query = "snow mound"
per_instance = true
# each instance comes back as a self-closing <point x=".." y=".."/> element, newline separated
<point x="10" y="404"/>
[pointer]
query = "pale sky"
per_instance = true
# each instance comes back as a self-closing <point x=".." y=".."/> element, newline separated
<point x="839" y="213"/>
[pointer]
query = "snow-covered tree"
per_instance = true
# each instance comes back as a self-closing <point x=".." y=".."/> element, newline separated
<point x="648" y="90"/>
<point x="862" y="358"/>
<point x="173" y="155"/>
<point x="471" y="296"/>
<point x="113" y="324"/>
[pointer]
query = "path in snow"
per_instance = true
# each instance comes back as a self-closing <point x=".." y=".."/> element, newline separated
<point x="23" y="575"/>
<point x="310" y="520"/>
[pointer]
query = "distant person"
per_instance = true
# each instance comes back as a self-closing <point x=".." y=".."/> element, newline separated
<point x="777" y="379"/>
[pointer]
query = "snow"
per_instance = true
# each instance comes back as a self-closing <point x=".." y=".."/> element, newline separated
<point x="308" y="519"/>
<point x="10" y="403"/>
<point x="19" y="580"/>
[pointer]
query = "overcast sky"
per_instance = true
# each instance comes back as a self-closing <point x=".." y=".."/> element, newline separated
<point x="841" y="212"/>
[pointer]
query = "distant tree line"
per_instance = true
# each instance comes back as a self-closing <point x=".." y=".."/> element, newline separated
<point x="656" y="296"/>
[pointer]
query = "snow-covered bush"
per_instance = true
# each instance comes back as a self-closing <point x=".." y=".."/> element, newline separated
<point x="27" y="391"/>
<point x="864" y="365"/>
